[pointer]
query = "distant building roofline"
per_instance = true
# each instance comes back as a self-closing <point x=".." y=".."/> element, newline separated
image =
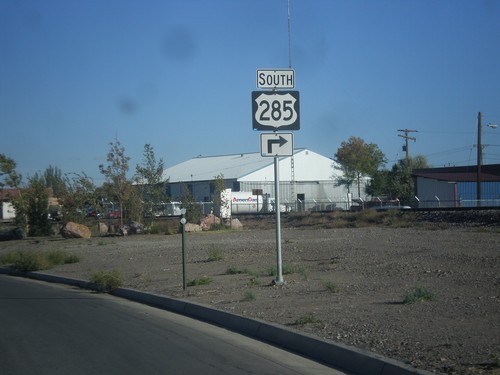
<point x="468" y="173"/>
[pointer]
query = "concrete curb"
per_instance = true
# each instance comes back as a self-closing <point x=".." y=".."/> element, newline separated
<point x="339" y="356"/>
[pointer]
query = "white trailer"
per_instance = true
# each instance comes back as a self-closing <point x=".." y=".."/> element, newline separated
<point x="243" y="202"/>
<point x="8" y="212"/>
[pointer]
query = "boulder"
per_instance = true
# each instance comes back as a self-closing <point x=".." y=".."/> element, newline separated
<point x="192" y="227"/>
<point x="135" y="228"/>
<point x="236" y="224"/>
<point x="75" y="230"/>
<point x="131" y="228"/>
<point x="207" y="221"/>
<point x="103" y="228"/>
<point x="123" y="230"/>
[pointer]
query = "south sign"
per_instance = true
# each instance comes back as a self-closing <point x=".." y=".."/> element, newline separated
<point x="275" y="78"/>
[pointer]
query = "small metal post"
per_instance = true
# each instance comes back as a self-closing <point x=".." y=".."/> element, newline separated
<point x="183" y="223"/>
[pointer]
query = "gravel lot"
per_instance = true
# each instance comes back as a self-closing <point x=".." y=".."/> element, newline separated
<point x="345" y="285"/>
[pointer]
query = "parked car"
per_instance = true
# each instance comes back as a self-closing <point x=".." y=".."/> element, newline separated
<point x="55" y="215"/>
<point x="92" y="213"/>
<point x="114" y="215"/>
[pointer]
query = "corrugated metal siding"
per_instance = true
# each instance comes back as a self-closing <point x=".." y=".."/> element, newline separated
<point x="433" y="193"/>
<point x="315" y="191"/>
<point x="321" y="190"/>
<point x="459" y="194"/>
<point x="467" y="193"/>
<point x="490" y="193"/>
<point x="467" y="190"/>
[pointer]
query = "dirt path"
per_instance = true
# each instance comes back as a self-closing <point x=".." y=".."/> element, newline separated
<point x="346" y="285"/>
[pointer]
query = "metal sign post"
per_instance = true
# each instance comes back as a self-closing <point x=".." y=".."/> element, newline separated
<point x="275" y="111"/>
<point x="279" y="271"/>
<point x="276" y="145"/>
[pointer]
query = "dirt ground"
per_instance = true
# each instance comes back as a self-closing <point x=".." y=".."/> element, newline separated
<point x="345" y="285"/>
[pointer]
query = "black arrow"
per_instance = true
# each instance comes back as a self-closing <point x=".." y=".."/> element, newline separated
<point x="271" y="142"/>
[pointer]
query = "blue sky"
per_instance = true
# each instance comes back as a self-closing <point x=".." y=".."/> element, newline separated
<point x="178" y="74"/>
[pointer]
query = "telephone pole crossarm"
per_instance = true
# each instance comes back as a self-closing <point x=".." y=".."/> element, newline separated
<point x="407" y="137"/>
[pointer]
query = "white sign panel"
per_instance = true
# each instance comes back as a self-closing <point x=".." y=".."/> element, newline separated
<point x="276" y="144"/>
<point x="275" y="78"/>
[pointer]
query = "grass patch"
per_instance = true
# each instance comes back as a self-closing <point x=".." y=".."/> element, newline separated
<point x="105" y="282"/>
<point x="9" y="258"/>
<point x="61" y="257"/>
<point x="307" y="319"/>
<point x="235" y="271"/>
<point x="156" y="229"/>
<point x="253" y="273"/>
<point x="37" y="260"/>
<point x="200" y="281"/>
<point x="418" y="295"/>
<point x="253" y="281"/>
<point x="249" y="296"/>
<point x="331" y="287"/>
<point x="345" y="219"/>
<point x="171" y="231"/>
<point x="287" y="269"/>
<point x="214" y="253"/>
<point x="220" y="226"/>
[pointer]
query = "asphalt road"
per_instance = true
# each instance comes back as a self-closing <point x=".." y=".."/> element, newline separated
<point x="56" y="329"/>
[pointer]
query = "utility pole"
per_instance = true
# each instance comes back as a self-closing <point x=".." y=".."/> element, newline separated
<point x="407" y="137"/>
<point x="480" y="154"/>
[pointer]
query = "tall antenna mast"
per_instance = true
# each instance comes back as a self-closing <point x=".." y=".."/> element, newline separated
<point x="289" y="37"/>
<point x="292" y="161"/>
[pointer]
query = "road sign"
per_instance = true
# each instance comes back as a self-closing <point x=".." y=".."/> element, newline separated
<point x="276" y="144"/>
<point x="275" y="110"/>
<point x="275" y="78"/>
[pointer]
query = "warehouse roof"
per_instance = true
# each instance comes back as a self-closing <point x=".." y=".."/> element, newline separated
<point x="204" y="168"/>
<point x="489" y="173"/>
<point x="235" y="166"/>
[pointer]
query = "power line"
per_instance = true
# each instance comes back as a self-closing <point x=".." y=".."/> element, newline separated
<point x="446" y="132"/>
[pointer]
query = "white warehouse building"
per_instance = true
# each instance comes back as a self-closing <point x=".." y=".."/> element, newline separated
<point x="307" y="180"/>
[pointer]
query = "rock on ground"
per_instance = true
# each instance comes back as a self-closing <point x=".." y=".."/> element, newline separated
<point x="75" y="230"/>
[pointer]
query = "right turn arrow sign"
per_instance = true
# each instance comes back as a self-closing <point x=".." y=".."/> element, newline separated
<point x="276" y="144"/>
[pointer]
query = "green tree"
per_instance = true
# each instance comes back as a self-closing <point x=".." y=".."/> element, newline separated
<point x="401" y="184"/>
<point x="379" y="183"/>
<point x="359" y="159"/>
<point x="32" y="208"/>
<point x="55" y="180"/>
<point x="133" y="204"/>
<point x="151" y="187"/>
<point x="347" y="179"/>
<point x="10" y="178"/>
<point x="8" y="174"/>
<point x="218" y="187"/>
<point x="193" y="209"/>
<point x="79" y="194"/>
<point x="115" y="173"/>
